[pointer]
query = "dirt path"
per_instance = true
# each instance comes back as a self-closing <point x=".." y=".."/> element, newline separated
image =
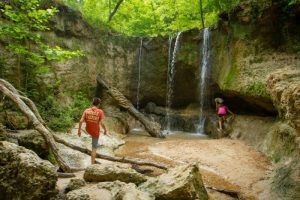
<point x="225" y="163"/>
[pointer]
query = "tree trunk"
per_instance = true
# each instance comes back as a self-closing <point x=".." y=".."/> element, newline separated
<point x="47" y="135"/>
<point x="201" y="13"/>
<point x="115" y="10"/>
<point x="153" y="128"/>
<point x="28" y="101"/>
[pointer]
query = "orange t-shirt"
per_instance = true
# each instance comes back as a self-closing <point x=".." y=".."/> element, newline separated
<point x="92" y="116"/>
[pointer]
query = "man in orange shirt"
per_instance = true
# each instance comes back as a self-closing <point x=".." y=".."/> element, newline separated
<point x="93" y="117"/>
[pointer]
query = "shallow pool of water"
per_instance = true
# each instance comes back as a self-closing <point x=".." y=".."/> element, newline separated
<point x="171" y="134"/>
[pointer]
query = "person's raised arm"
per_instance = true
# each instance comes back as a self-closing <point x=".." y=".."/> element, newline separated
<point x="80" y="124"/>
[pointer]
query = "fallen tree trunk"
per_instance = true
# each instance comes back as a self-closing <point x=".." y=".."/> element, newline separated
<point x="51" y="139"/>
<point x="110" y="158"/>
<point x="48" y="137"/>
<point x="153" y="128"/>
<point x="231" y="193"/>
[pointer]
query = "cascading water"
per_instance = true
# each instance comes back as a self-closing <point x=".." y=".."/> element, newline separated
<point x="204" y="73"/>
<point x="139" y="74"/>
<point x="171" y="75"/>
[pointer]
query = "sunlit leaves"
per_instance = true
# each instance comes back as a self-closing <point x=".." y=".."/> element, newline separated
<point x="21" y="27"/>
<point x="152" y="17"/>
<point x="59" y="54"/>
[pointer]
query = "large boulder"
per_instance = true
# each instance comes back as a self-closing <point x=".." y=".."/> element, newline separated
<point x="125" y="191"/>
<point x="180" y="183"/>
<point x="23" y="175"/>
<point x="284" y="88"/>
<point x="34" y="141"/>
<point x="112" y="172"/>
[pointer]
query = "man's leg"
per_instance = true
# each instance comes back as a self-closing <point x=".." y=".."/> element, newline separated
<point x="94" y="149"/>
<point x="93" y="155"/>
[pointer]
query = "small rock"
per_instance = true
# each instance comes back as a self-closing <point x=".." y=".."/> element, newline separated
<point x="77" y="195"/>
<point x="75" y="184"/>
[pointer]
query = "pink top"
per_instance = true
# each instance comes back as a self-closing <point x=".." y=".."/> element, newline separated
<point x="222" y="110"/>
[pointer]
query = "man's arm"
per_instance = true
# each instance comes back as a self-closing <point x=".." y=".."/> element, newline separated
<point x="104" y="127"/>
<point x="80" y="124"/>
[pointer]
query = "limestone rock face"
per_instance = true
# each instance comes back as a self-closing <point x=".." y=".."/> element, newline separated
<point x="124" y="191"/>
<point x="23" y="175"/>
<point x="284" y="88"/>
<point x="112" y="172"/>
<point x="180" y="183"/>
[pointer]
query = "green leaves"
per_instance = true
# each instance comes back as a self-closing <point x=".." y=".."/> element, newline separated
<point x="23" y="22"/>
<point x="59" y="54"/>
<point x="152" y="17"/>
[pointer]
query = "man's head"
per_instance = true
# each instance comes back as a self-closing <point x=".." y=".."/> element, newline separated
<point x="96" y="101"/>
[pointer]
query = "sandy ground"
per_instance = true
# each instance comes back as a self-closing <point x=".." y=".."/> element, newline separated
<point x="225" y="163"/>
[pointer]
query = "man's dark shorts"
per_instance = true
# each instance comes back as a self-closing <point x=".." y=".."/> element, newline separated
<point x="95" y="142"/>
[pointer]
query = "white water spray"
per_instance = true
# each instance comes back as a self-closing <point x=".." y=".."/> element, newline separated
<point x="139" y="74"/>
<point x="204" y="72"/>
<point x="171" y="75"/>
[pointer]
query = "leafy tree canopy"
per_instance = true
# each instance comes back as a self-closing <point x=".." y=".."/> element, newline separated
<point x="151" y="17"/>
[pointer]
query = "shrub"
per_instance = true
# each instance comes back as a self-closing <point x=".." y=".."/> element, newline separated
<point x="62" y="118"/>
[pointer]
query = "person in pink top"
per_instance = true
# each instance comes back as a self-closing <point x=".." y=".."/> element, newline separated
<point x="222" y="111"/>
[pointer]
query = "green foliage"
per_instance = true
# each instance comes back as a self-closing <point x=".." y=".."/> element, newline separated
<point x="151" y="17"/>
<point x="21" y="25"/>
<point x="23" y="22"/>
<point x="62" y="118"/>
<point x="292" y="2"/>
<point x="257" y="88"/>
<point x="51" y="158"/>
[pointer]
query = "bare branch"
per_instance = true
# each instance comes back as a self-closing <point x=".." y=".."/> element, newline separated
<point x="115" y="10"/>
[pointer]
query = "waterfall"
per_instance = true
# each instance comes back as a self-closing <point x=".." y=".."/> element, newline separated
<point x="139" y="74"/>
<point x="171" y="75"/>
<point x="204" y="73"/>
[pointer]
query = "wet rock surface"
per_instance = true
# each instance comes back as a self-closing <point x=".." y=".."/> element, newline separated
<point x="181" y="183"/>
<point x="23" y="175"/>
<point x="112" y="172"/>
